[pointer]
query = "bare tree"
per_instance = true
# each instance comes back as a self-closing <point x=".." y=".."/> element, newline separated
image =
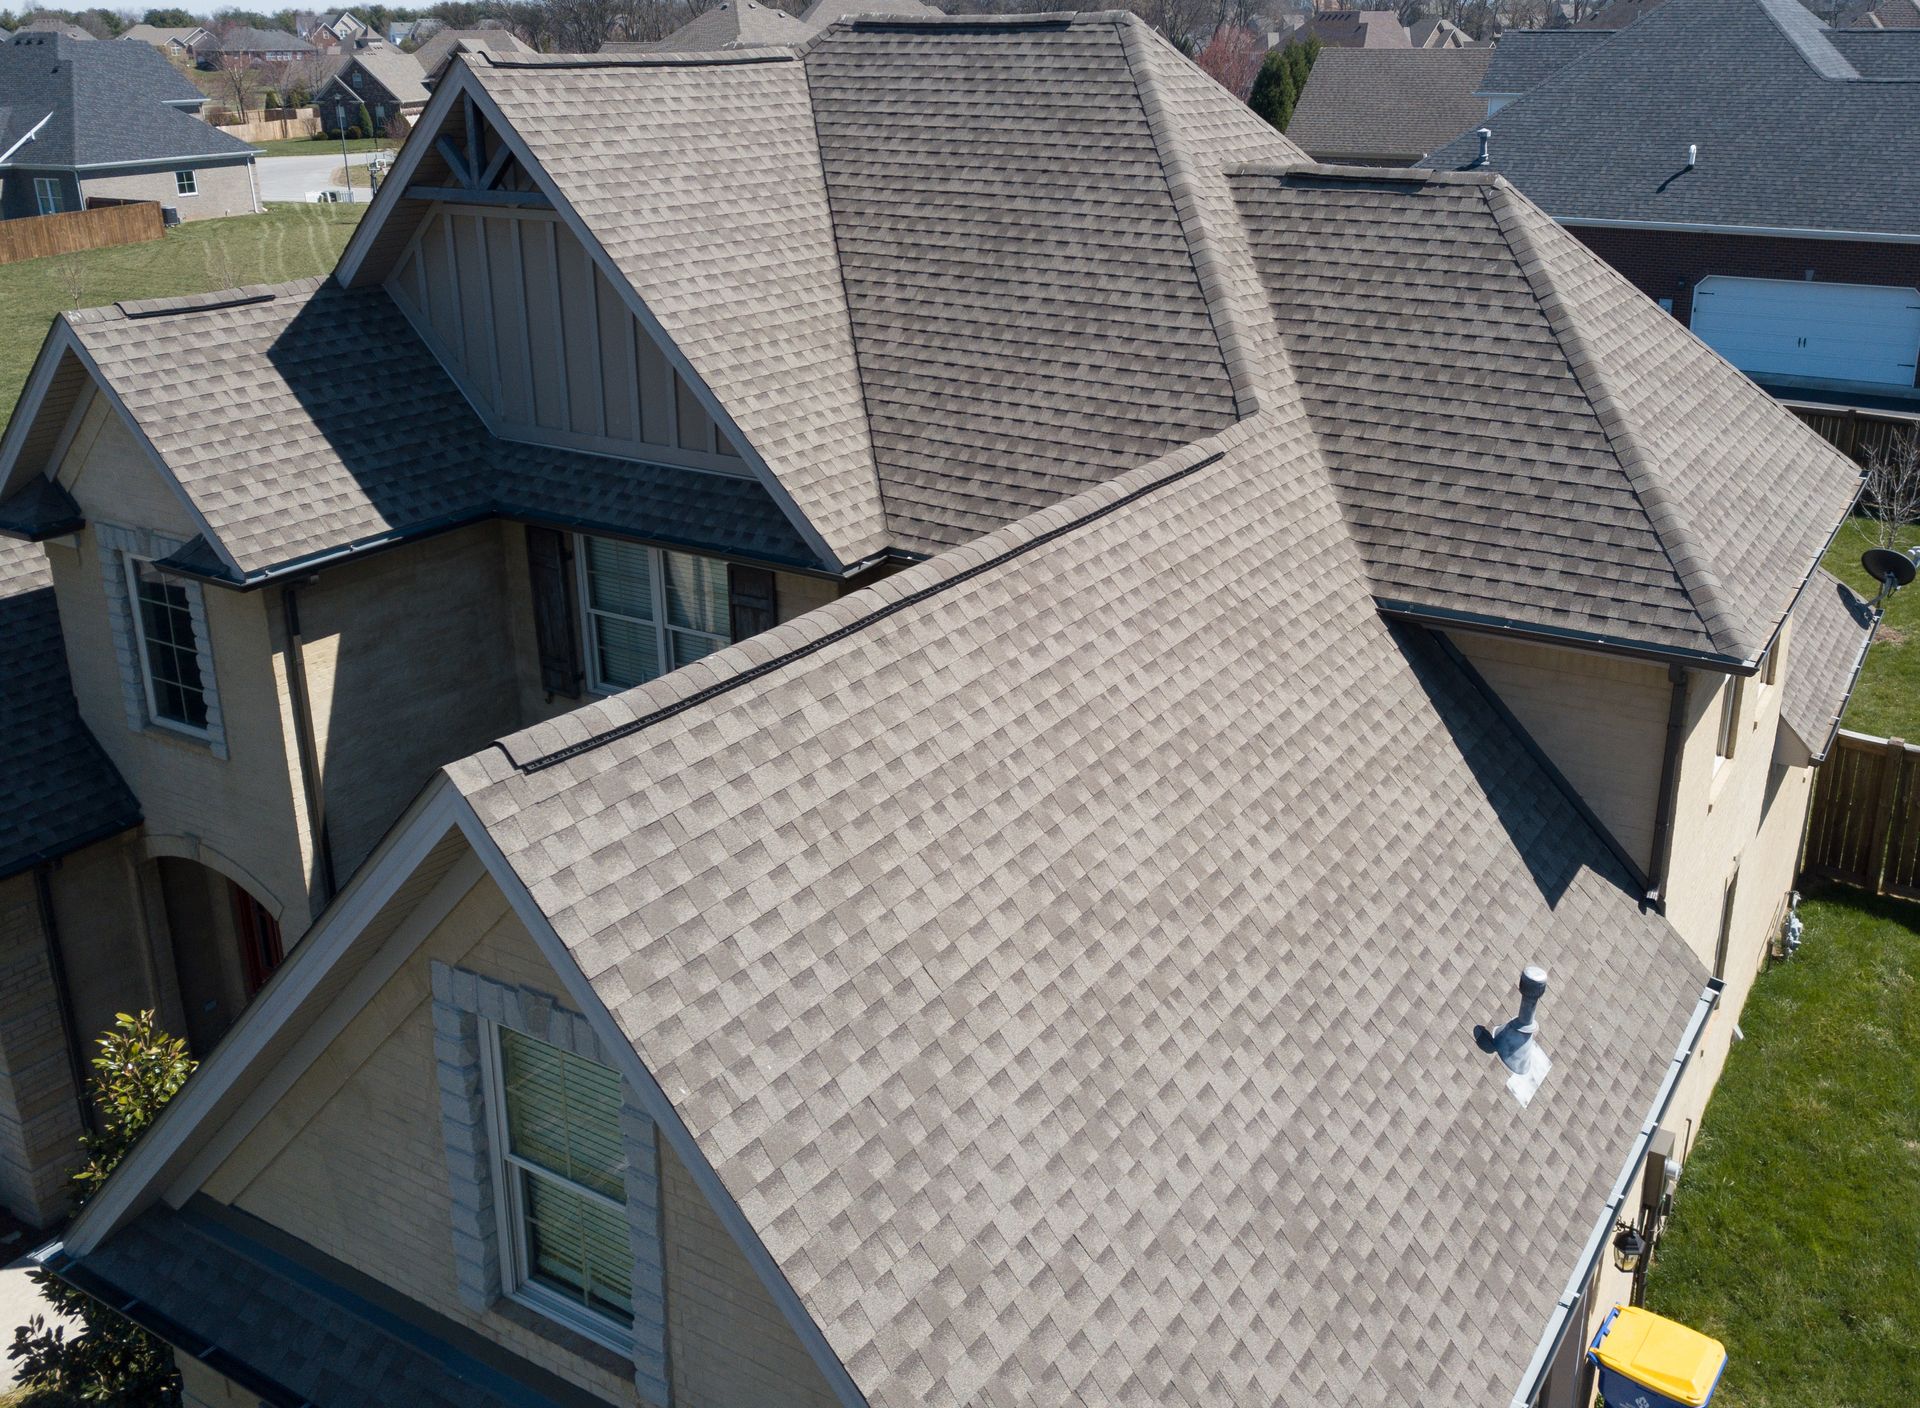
<point x="1891" y="502"/>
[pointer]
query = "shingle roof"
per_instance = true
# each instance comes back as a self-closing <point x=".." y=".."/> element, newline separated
<point x="60" y="790"/>
<point x="731" y="24"/>
<point x="109" y="104"/>
<point x="1387" y="104"/>
<point x="321" y="452"/>
<point x="1517" y="433"/>
<point x="1792" y="132"/>
<point x="1832" y="628"/>
<point x="1015" y="936"/>
<point x="1523" y="59"/>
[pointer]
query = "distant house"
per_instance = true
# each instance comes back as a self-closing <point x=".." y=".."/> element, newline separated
<point x="56" y="154"/>
<point x="1763" y="185"/>
<point x="1388" y="107"/>
<point x="174" y="43"/>
<point x="384" y="80"/>
<point x="263" y="46"/>
<point x="443" y="45"/>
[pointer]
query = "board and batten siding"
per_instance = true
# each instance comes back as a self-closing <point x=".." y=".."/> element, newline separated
<point x="536" y="334"/>
<point x="1601" y="719"/>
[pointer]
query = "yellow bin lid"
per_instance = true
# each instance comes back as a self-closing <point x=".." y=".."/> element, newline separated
<point x="1662" y="1354"/>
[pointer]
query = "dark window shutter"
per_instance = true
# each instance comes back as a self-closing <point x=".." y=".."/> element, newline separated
<point x="751" y="597"/>
<point x="548" y="564"/>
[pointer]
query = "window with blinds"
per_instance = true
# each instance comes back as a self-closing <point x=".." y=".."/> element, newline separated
<point x="561" y="1165"/>
<point x="648" y="611"/>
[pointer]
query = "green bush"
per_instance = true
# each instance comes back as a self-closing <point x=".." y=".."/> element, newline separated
<point x="109" y="1359"/>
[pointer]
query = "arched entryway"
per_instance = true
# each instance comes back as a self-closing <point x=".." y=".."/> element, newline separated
<point x="226" y="944"/>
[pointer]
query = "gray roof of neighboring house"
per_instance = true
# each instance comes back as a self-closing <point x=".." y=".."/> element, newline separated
<point x="1388" y="103"/>
<point x="1518" y="433"/>
<point x="395" y="70"/>
<point x="1030" y="939"/>
<point x="111" y="103"/>
<point x="731" y="24"/>
<point x="1832" y="628"/>
<point x="1523" y="59"/>
<point x="323" y="453"/>
<point x="60" y="790"/>
<point x="244" y="39"/>
<point x="1798" y="127"/>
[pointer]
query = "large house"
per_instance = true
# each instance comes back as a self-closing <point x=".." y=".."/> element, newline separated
<point x="895" y="702"/>
<point x="89" y="122"/>
<point x="1752" y="170"/>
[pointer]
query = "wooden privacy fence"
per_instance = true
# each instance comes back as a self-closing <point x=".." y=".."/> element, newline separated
<point x="1865" y="824"/>
<point x="39" y="235"/>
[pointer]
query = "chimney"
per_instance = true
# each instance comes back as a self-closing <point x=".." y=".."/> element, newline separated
<point x="1485" y="134"/>
<point x="1514" y="1042"/>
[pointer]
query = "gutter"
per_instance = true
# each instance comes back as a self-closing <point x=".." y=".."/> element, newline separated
<point x="1576" y="1287"/>
<point x="1701" y="227"/>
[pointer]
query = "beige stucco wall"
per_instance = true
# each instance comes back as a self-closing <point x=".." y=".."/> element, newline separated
<point x="1602" y="719"/>
<point x="410" y="664"/>
<point x="223" y="190"/>
<point x="351" y="1162"/>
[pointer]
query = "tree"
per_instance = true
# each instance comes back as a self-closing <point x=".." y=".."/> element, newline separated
<point x="1233" y="58"/>
<point x="109" y="1359"/>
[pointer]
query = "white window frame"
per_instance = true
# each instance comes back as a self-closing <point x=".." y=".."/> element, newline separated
<point x="186" y="182"/>
<point x="130" y="565"/>
<point x="47" y="195"/>
<point x="509" y="1171"/>
<point x="663" y="631"/>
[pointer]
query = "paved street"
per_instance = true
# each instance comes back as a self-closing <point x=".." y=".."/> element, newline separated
<point x="292" y="177"/>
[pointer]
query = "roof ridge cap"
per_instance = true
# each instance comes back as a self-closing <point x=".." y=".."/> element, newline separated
<point x="1178" y="170"/>
<point x="1690" y="566"/>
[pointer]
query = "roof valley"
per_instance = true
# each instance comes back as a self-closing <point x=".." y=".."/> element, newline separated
<point x="1693" y="572"/>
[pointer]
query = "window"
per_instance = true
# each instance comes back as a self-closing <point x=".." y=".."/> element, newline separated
<point x="186" y="183"/>
<point x="560" y="1163"/>
<point x="1729" y="736"/>
<point x="169" y="649"/>
<point x="648" y="611"/>
<point x="48" y="195"/>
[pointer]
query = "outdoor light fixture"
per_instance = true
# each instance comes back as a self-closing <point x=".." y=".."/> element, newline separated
<point x="1629" y="1247"/>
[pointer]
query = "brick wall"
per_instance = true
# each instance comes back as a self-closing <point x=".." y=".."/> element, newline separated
<point x="1668" y="263"/>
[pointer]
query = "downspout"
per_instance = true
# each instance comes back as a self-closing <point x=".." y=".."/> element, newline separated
<point x="1576" y="1288"/>
<point x="62" y="991"/>
<point x="1668" y="801"/>
<point x="304" y="741"/>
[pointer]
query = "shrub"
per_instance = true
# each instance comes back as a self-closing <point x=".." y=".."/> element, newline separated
<point x="109" y="1359"/>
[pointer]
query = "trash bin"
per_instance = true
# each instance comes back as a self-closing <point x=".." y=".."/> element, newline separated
<point x="1648" y="1361"/>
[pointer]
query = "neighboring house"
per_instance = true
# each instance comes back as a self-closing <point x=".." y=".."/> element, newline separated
<point x="1388" y="107"/>
<point x="861" y="817"/>
<point x="386" y="81"/>
<point x="86" y="122"/>
<point x="1763" y="185"/>
<point x="438" y="51"/>
<point x="260" y="46"/>
<point x="174" y="43"/>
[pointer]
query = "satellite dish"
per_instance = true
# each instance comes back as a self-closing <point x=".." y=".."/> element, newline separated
<point x="1882" y="563"/>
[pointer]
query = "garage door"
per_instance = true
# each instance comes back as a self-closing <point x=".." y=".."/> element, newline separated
<point x="1844" y="332"/>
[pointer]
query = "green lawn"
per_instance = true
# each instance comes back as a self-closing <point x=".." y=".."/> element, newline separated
<point x="1887" y="699"/>
<point x="288" y="242"/>
<point x="1795" y="1236"/>
<point x="307" y="146"/>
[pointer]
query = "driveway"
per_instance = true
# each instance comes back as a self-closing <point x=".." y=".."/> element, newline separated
<point x="292" y="177"/>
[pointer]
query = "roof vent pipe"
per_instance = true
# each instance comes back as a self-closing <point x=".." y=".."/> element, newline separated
<point x="1485" y="134"/>
<point x="1693" y="154"/>
<point x="1514" y="1042"/>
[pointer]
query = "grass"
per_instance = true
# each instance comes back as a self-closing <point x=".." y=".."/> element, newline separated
<point x="288" y="242"/>
<point x="1795" y="1232"/>
<point x="307" y="146"/>
<point x="1887" y="700"/>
